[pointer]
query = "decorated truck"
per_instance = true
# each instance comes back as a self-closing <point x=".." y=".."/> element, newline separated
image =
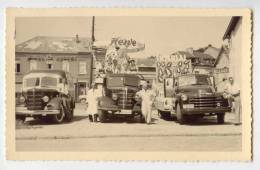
<point x="194" y="95"/>
<point x="119" y="97"/>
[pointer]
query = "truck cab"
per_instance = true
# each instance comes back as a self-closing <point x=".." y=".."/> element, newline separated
<point x="119" y="96"/>
<point x="195" y="95"/>
<point x="42" y="97"/>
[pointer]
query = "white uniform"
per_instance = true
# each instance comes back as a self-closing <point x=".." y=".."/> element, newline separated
<point x="234" y="91"/>
<point x="92" y="102"/>
<point x="147" y="97"/>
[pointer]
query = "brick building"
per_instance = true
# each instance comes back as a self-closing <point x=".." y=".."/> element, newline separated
<point x="71" y="54"/>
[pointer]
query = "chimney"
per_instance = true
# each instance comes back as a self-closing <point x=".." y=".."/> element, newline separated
<point x="190" y="50"/>
<point x="77" y="38"/>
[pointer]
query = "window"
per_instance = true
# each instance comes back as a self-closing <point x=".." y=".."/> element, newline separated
<point x="33" y="65"/>
<point x="31" y="82"/>
<point x="50" y="66"/>
<point x="82" y="68"/>
<point x="65" y="66"/>
<point x="17" y="67"/>
<point x="48" y="81"/>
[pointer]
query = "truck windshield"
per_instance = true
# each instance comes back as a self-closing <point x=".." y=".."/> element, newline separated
<point x="194" y="80"/>
<point x="31" y="82"/>
<point x="122" y="81"/>
<point x="115" y="81"/>
<point x="48" y="82"/>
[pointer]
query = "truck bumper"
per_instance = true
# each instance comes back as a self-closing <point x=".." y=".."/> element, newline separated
<point x="25" y="111"/>
<point x="119" y="111"/>
<point x="199" y="111"/>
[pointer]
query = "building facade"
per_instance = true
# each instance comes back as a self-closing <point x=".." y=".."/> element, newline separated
<point x="73" y="55"/>
<point x="228" y="63"/>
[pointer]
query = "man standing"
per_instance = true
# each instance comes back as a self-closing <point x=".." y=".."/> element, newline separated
<point x="234" y="93"/>
<point x="147" y="96"/>
<point x="92" y="103"/>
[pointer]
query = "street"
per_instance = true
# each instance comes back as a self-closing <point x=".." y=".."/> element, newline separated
<point x="128" y="135"/>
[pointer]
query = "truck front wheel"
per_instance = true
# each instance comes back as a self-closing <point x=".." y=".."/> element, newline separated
<point x="221" y="118"/>
<point x="102" y="116"/>
<point x="179" y="115"/>
<point x="58" y="118"/>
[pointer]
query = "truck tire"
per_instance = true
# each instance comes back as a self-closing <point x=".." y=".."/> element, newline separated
<point x="179" y="115"/>
<point x="58" y="118"/>
<point x="102" y="116"/>
<point x="164" y="115"/>
<point x="20" y="118"/>
<point x="221" y="118"/>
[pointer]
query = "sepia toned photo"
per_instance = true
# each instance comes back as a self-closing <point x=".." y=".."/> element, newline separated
<point x="141" y="86"/>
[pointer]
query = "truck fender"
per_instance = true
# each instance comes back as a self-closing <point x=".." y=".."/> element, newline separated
<point x="105" y="101"/>
<point x="54" y="104"/>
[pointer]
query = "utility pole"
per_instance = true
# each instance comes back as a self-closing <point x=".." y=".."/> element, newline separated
<point x="93" y="60"/>
<point x="93" y="29"/>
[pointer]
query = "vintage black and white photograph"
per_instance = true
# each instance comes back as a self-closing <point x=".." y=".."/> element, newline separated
<point x="129" y="84"/>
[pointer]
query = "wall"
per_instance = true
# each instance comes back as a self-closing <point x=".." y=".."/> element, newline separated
<point x="235" y="53"/>
<point x="220" y="71"/>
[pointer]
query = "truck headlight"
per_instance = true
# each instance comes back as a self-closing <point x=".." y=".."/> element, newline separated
<point x="114" y="96"/>
<point x="184" y="97"/>
<point x="22" y="99"/>
<point x="137" y="98"/>
<point x="45" y="99"/>
<point x="225" y="95"/>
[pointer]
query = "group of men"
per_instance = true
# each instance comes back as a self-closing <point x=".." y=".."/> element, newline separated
<point x="147" y="97"/>
<point x="145" y="94"/>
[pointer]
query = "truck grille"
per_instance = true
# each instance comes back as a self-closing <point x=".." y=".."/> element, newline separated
<point x="200" y="102"/>
<point x="34" y="100"/>
<point x="125" y="98"/>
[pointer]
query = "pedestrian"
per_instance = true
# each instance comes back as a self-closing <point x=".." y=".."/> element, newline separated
<point x="92" y="110"/>
<point x="147" y="96"/>
<point x="233" y="92"/>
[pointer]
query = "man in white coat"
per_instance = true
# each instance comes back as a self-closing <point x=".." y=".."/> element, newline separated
<point x="234" y="94"/>
<point x="92" y="110"/>
<point x="147" y="96"/>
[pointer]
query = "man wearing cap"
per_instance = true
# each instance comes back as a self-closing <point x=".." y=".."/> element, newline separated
<point x="147" y="96"/>
<point x="234" y="93"/>
<point x="92" y="103"/>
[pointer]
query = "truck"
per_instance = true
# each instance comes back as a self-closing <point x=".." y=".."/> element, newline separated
<point x="42" y="97"/>
<point x="194" y="95"/>
<point x="119" y="96"/>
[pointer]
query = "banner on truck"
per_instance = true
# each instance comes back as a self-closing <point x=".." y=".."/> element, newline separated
<point x="169" y="66"/>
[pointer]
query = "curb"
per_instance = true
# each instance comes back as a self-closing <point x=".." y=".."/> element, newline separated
<point x="126" y="136"/>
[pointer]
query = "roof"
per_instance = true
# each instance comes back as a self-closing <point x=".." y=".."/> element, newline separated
<point x="191" y="74"/>
<point x="146" y="62"/>
<point x="231" y="26"/>
<point x="195" y="54"/>
<point x="212" y="51"/>
<point x="122" y="75"/>
<point x="49" y="44"/>
<point x="58" y="72"/>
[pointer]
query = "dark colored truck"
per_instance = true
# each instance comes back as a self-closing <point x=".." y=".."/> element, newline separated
<point x="119" y="96"/>
<point x="195" y="95"/>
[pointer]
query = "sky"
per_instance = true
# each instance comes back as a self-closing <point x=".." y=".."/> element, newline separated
<point x="161" y="35"/>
